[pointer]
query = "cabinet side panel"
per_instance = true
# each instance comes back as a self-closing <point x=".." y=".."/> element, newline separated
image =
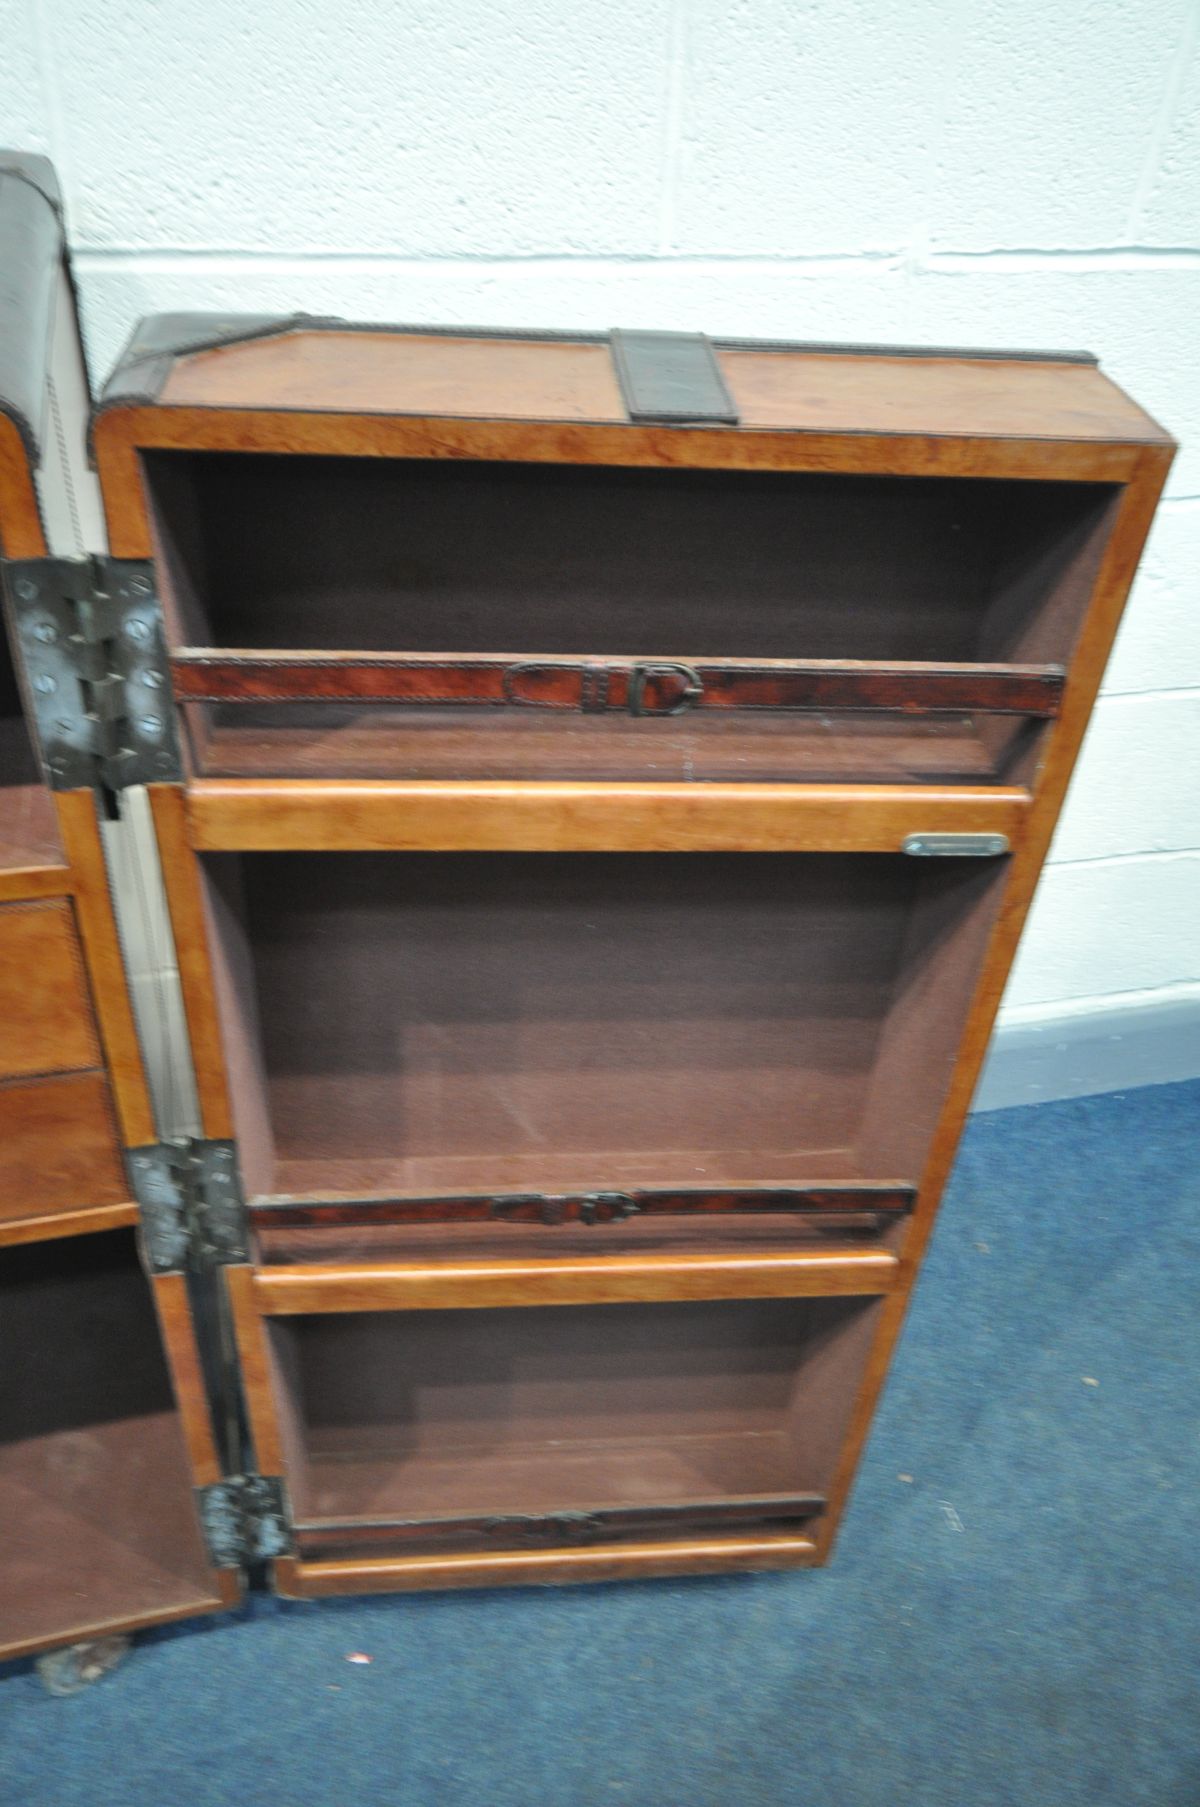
<point x="1123" y="551"/>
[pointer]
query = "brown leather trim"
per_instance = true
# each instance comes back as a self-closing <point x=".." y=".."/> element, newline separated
<point x="839" y="1202"/>
<point x="637" y="686"/>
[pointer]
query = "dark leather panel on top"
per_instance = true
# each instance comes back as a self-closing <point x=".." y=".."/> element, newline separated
<point x="31" y="250"/>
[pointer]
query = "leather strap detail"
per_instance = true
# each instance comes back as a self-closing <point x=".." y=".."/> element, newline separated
<point x="672" y="379"/>
<point x="655" y="687"/>
<point x="838" y="1203"/>
<point x="315" y="1537"/>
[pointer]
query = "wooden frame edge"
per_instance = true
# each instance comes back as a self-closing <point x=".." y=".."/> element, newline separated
<point x="298" y="1580"/>
<point x="80" y="830"/>
<point x="174" y="1313"/>
<point x="185" y="906"/>
<point x="21" y="531"/>
<point x="587" y="1280"/>
<point x="227" y="1591"/>
<point x="254" y="1360"/>
<point x="261" y="815"/>
<point x="30" y="884"/>
<point x="89" y="1220"/>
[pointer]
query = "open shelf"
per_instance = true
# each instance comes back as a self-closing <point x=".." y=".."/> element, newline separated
<point x="447" y="1415"/>
<point x="431" y="1024"/>
<point x="945" y="605"/>
<point x="95" y="1491"/>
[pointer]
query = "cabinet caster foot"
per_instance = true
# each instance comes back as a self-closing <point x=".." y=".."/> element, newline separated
<point x="79" y="1665"/>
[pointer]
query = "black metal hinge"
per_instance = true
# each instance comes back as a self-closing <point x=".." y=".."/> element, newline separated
<point x="245" y="1519"/>
<point x="192" y="1209"/>
<point x="91" y="642"/>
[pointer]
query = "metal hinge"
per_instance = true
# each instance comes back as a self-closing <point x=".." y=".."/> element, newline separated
<point x="245" y="1519"/>
<point x="956" y="846"/>
<point x="192" y="1209"/>
<point x="91" y="641"/>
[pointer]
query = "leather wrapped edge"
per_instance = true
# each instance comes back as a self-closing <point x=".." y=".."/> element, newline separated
<point x="32" y="248"/>
<point x="158" y="340"/>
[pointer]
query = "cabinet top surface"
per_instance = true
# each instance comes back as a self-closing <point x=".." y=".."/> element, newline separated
<point x="327" y="368"/>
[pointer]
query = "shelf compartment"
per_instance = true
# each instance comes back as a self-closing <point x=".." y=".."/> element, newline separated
<point x="401" y="1433"/>
<point x="424" y="1025"/>
<point x="95" y="1488"/>
<point x="432" y="619"/>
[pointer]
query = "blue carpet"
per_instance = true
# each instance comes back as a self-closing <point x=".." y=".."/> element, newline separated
<point x="1011" y="1616"/>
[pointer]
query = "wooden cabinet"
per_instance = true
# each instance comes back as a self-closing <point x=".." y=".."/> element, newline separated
<point x="598" y="787"/>
<point x="601" y="845"/>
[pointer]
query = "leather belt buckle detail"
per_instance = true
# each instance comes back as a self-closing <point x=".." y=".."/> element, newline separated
<point x="679" y="684"/>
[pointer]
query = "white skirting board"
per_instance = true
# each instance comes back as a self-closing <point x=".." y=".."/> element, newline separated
<point x="1151" y="1041"/>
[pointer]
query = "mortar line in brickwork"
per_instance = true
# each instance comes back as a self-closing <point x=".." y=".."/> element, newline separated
<point x="187" y="255"/>
<point x="1157" y="692"/>
<point x="46" y="51"/>
<point x="1016" y="259"/>
<point x="1144" y="855"/>
<point x="672" y="125"/>
<point x="1127" y="259"/>
<point x="1168" y="109"/>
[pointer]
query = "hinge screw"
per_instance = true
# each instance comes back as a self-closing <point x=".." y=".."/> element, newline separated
<point x="26" y="589"/>
<point x="152" y="679"/>
<point x="140" y="586"/>
<point x="136" y="630"/>
<point x="45" y="684"/>
<point x="45" y="631"/>
<point x="150" y="725"/>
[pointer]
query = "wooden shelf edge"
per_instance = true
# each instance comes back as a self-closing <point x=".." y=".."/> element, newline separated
<point x="85" y="1222"/>
<point x="527" y="1568"/>
<point x="290" y="814"/>
<point x="26" y="884"/>
<point x="590" y="1280"/>
<point x="227" y="1591"/>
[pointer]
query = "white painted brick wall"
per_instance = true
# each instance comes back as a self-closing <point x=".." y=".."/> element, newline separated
<point x="981" y="171"/>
